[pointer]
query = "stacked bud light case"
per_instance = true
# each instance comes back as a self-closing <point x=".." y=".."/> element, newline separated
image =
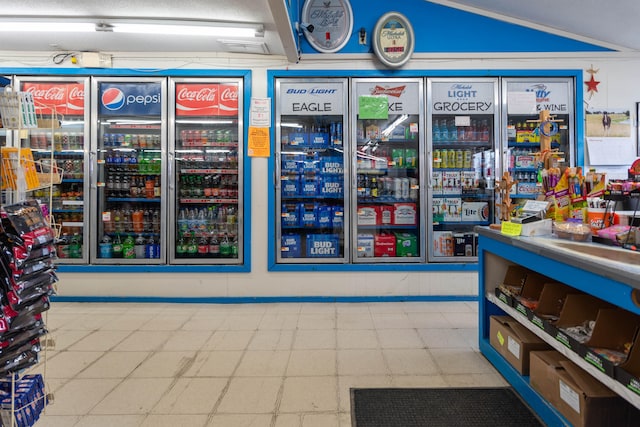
<point x="387" y="144"/>
<point x="311" y="175"/>
<point x="206" y="145"/>
<point x="464" y="153"/>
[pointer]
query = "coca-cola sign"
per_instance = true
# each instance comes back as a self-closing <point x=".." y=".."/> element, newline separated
<point x="59" y="97"/>
<point x="197" y="99"/>
<point x="228" y="100"/>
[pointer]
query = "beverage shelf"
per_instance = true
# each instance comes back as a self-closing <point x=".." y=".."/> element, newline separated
<point x="208" y="200"/>
<point x="210" y="171"/>
<point x="134" y="199"/>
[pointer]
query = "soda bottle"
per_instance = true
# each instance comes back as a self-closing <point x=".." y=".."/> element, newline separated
<point x="75" y="250"/>
<point x="108" y="222"/>
<point x="138" y="221"/>
<point x="128" y="248"/>
<point x="225" y="246"/>
<point x="139" y="247"/>
<point x="106" y="247"/>
<point x="181" y="247"/>
<point x="192" y="247"/>
<point x="436" y="131"/>
<point x="234" y="247"/>
<point x="117" y="247"/>
<point x="214" y="245"/>
<point x="203" y="246"/>
<point x="117" y="220"/>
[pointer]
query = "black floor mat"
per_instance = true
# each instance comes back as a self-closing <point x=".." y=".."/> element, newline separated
<point x="439" y="407"/>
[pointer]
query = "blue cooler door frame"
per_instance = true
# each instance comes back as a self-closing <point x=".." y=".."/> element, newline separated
<point x="312" y="170"/>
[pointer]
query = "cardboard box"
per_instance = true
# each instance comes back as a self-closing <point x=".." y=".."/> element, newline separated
<point x="384" y="245"/>
<point x="437" y="182"/>
<point x="438" y="207"/>
<point x="628" y="373"/>
<point x="443" y="243"/>
<point x="577" y="309"/>
<point x="583" y="400"/>
<point x="452" y="208"/>
<point x="451" y="183"/>
<point x="406" y="245"/>
<point x="514" y="342"/>
<point x="365" y="245"/>
<point x="614" y="330"/>
<point x="291" y="247"/>
<point x="385" y="214"/>
<point x="367" y="215"/>
<point x="404" y="214"/>
<point x="550" y="306"/>
<point x="513" y="284"/>
<point x="532" y="285"/>
<point x="323" y="246"/>
<point x="475" y="211"/>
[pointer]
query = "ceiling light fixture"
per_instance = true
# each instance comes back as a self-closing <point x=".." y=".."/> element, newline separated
<point x="135" y="26"/>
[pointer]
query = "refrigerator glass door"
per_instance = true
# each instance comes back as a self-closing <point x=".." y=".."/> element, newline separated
<point x="206" y="197"/>
<point x="388" y="147"/>
<point x="129" y="183"/>
<point x="523" y="100"/>
<point x="62" y="139"/>
<point x="311" y="171"/>
<point x="463" y="117"/>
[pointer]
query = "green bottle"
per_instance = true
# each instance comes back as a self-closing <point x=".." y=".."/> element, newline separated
<point x="128" y="248"/>
<point x="117" y="247"/>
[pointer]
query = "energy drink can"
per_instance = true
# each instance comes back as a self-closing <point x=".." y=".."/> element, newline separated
<point x="451" y="159"/>
<point x="436" y="159"/>
<point x="459" y="159"/>
<point x="466" y="163"/>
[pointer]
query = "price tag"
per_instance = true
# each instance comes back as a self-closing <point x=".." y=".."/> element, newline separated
<point x="511" y="229"/>
<point x="500" y="338"/>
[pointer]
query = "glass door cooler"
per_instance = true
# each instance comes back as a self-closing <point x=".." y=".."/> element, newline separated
<point x="523" y="100"/>
<point x="388" y="146"/>
<point x="128" y="154"/>
<point x="463" y="150"/>
<point x="63" y="120"/>
<point x="206" y="197"/>
<point x="311" y="171"/>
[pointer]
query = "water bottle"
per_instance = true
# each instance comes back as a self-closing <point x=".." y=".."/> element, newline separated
<point x="140" y="247"/>
<point x="106" y="248"/>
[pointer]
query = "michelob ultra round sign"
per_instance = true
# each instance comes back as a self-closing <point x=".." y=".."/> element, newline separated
<point x="393" y="39"/>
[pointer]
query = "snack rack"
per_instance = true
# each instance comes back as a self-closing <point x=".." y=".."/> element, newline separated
<point x="24" y="397"/>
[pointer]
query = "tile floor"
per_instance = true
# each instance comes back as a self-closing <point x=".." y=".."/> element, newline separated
<point x="249" y="365"/>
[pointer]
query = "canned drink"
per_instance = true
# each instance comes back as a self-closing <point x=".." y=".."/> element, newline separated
<point x="405" y="188"/>
<point x="413" y="189"/>
<point x="467" y="159"/>
<point x="436" y="159"/>
<point x="397" y="188"/>
<point x="451" y="158"/>
<point x="444" y="159"/>
<point x="119" y="142"/>
<point x="459" y="159"/>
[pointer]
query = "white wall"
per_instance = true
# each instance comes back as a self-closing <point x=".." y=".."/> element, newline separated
<point x="619" y="88"/>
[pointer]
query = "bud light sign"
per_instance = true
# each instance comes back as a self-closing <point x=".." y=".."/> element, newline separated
<point x="130" y="99"/>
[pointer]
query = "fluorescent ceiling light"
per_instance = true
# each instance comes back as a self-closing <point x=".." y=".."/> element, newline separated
<point x="133" y="26"/>
<point x="212" y="30"/>
<point x="44" y="27"/>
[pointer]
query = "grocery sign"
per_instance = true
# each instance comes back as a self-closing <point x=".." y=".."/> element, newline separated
<point x="206" y="99"/>
<point x="64" y="98"/>
<point x="130" y="99"/>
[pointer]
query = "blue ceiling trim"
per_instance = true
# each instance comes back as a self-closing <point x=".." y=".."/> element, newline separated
<point x="442" y="29"/>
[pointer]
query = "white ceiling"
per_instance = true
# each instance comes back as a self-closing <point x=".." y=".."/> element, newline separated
<point x="610" y="24"/>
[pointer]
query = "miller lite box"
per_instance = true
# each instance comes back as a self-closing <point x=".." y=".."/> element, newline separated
<point x="475" y="211"/>
<point x="404" y="214"/>
<point x="290" y="215"/>
<point x="384" y="245"/>
<point x="365" y="245"/>
<point x="308" y="214"/>
<point x="463" y="244"/>
<point x="290" y="247"/>
<point x="323" y="246"/>
<point x="290" y="186"/>
<point x="367" y="215"/>
<point x="406" y="245"/>
<point x="452" y="208"/>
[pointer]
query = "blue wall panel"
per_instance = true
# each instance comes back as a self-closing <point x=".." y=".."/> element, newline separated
<point x="441" y="29"/>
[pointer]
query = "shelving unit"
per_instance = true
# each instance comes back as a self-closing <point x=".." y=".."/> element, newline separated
<point x="607" y="279"/>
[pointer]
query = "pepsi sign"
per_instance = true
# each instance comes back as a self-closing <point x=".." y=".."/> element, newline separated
<point x="130" y="99"/>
